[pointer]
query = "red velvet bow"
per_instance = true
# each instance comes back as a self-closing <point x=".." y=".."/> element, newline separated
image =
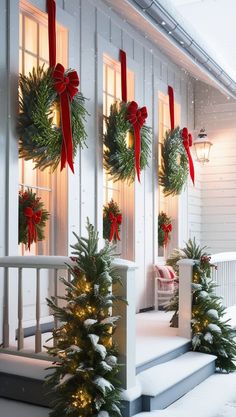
<point x="33" y="218"/>
<point x="188" y="141"/>
<point x="137" y="118"/>
<point x="167" y="228"/>
<point x="66" y="86"/>
<point x="115" y="222"/>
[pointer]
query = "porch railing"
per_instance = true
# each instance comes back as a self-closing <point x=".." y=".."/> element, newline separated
<point x="224" y="276"/>
<point x="18" y="272"/>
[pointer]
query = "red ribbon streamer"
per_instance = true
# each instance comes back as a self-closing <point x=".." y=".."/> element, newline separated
<point x="171" y="107"/>
<point x="33" y="218"/>
<point x="123" y="76"/>
<point x="167" y="228"/>
<point x="188" y="141"/>
<point x="115" y="222"/>
<point x="137" y="118"/>
<point x="51" y="8"/>
<point x="66" y="86"/>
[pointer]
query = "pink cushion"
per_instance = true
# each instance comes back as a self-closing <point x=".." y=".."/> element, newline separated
<point x="166" y="271"/>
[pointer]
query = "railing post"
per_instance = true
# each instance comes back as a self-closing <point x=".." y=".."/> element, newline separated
<point x="125" y="333"/>
<point x="185" y="297"/>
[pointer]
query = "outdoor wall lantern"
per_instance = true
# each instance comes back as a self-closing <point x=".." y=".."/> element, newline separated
<point x="202" y="147"/>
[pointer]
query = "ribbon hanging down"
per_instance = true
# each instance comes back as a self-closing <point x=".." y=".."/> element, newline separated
<point x="187" y="142"/>
<point x="33" y="218"/>
<point x="171" y="107"/>
<point x="115" y="222"/>
<point x="137" y="118"/>
<point x="66" y="86"/>
<point x="167" y="228"/>
<point x="123" y="76"/>
<point x="51" y="8"/>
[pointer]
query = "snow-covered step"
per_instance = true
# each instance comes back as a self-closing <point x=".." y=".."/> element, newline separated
<point x="22" y="379"/>
<point x="214" y="397"/>
<point x="165" y="351"/>
<point x="10" y="408"/>
<point x="161" y="385"/>
<point x="165" y="383"/>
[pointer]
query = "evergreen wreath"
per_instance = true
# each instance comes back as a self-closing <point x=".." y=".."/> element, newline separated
<point x="173" y="173"/>
<point x="119" y="158"/>
<point x="32" y="218"/>
<point x="40" y="139"/>
<point x="112" y="219"/>
<point x="85" y="378"/>
<point x="164" y="229"/>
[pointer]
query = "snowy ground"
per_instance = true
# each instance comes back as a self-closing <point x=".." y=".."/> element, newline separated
<point x="18" y="409"/>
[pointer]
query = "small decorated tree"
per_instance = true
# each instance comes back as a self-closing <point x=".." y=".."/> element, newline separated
<point x="85" y="378"/>
<point x="210" y="332"/>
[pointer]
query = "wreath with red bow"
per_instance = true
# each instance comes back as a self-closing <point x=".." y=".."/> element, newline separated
<point x="127" y="141"/>
<point x="32" y="218"/>
<point x="164" y="229"/>
<point x="173" y="173"/>
<point x="112" y="219"/>
<point x="51" y="119"/>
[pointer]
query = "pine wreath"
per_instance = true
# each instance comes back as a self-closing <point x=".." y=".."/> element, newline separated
<point x="164" y="229"/>
<point x="40" y="138"/>
<point x="112" y="219"/>
<point x="119" y="158"/>
<point x="173" y="173"/>
<point x="32" y="218"/>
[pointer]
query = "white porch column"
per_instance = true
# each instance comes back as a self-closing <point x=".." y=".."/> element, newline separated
<point x="125" y="334"/>
<point x="185" y="297"/>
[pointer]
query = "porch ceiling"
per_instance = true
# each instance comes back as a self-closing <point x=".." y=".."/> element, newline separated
<point x="133" y="14"/>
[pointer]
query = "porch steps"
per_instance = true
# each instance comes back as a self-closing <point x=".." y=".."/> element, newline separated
<point x="165" y="354"/>
<point x="22" y="379"/>
<point x="163" y="384"/>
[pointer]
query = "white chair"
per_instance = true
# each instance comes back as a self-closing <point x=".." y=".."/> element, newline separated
<point x="166" y="282"/>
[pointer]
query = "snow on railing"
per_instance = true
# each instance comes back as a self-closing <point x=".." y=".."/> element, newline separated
<point x="25" y="276"/>
<point x="224" y="276"/>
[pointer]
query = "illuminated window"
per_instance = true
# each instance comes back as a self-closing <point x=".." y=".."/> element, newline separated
<point x="33" y="51"/>
<point x="163" y="126"/>
<point x="121" y="193"/>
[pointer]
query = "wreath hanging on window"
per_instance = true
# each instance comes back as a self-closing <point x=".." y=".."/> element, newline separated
<point x="32" y="218"/>
<point x="112" y="219"/>
<point x="127" y="141"/>
<point x="42" y="93"/>
<point x="164" y="229"/>
<point x="173" y="173"/>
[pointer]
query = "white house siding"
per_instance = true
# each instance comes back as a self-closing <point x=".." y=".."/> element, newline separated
<point x="217" y="114"/>
<point x="94" y="23"/>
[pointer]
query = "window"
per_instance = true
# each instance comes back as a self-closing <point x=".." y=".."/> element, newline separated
<point x="121" y="193"/>
<point x="164" y="203"/>
<point x="33" y="51"/>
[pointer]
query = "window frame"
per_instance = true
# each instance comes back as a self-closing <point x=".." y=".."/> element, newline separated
<point x="104" y="47"/>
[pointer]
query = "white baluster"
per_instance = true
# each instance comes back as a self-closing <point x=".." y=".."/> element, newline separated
<point x="38" y="336"/>
<point x="6" y="309"/>
<point x="20" y="331"/>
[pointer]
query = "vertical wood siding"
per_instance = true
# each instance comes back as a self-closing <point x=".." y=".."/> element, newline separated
<point x="93" y="19"/>
<point x="218" y="186"/>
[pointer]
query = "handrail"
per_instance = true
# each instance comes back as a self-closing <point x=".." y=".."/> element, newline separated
<point x="41" y="262"/>
<point x="223" y="257"/>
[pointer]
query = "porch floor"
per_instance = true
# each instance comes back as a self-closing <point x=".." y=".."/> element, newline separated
<point x="154" y="337"/>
